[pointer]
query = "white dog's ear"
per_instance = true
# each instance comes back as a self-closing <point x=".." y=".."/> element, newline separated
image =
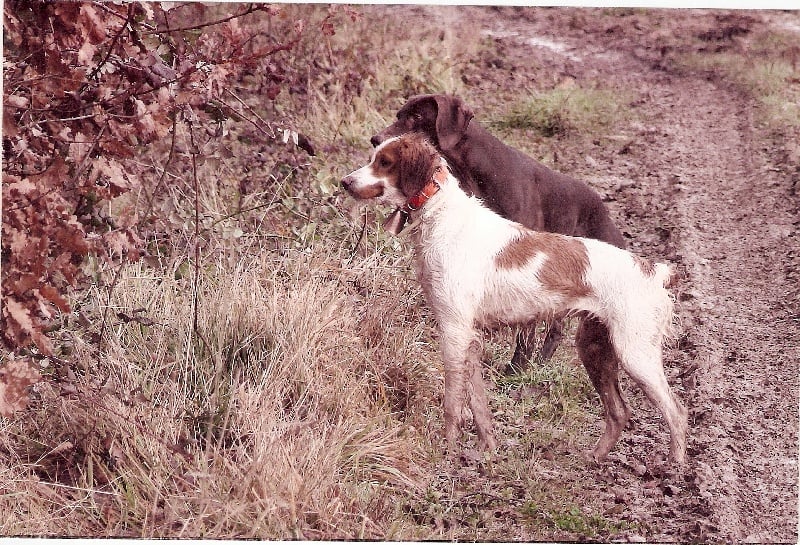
<point x="417" y="164"/>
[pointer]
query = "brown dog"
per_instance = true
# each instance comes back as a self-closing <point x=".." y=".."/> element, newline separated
<point x="523" y="190"/>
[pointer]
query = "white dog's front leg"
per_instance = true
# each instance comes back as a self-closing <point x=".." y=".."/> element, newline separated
<point x="455" y="346"/>
<point x="463" y="382"/>
<point x="478" y="401"/>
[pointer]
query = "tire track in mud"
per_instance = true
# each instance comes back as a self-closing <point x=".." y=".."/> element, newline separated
<point x="733" y="217"/>
<point x="728" y="214"/>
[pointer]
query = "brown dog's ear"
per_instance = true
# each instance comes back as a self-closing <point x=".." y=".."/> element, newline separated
<point x="452" y="120"/>
<point x="417" y="164"/>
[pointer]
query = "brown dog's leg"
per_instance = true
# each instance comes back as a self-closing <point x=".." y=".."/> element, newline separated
<point x="597" y="354"/>
<point x="555" y="332"/>
<point x="526" y="345"/>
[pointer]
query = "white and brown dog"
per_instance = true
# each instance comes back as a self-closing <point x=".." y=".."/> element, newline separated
<point x="478" y="269"/>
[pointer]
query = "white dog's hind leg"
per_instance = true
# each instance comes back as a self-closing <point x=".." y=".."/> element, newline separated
<point x="643" y="363"/>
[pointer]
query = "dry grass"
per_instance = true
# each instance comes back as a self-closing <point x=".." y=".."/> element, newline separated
<point x="292" y="391"/>
<point x="270" y="420"/>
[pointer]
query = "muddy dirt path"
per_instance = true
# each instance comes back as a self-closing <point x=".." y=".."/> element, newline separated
<point x="705" y="193"/>
<point x="733" y="220"/>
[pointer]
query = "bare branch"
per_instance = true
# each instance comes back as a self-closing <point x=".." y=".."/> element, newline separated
<point x="250" y="9"/>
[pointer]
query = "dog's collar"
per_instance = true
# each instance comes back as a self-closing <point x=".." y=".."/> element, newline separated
<point x="418" y="201"/>
<point x="397" y="219"/>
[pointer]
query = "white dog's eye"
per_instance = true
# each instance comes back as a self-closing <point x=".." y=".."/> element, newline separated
<point x="383" y="162"/>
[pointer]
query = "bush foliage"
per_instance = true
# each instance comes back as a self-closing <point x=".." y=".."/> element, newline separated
<point x="86" y="86"/>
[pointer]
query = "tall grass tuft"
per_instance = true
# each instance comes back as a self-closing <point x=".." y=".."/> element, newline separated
<point x="264" y="422"/>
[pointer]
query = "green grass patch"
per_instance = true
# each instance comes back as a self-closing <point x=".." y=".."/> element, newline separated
<point x="560" y="112"/>
<point x="574" y="520"/>
<point x="552" y="392"/>
<point x="766" y="69"/>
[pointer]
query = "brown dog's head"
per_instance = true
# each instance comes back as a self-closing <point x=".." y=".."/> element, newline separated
<point x="399" y="169"/>
<point x="442" y="118"/>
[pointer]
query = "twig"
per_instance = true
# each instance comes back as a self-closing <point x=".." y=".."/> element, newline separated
<point x="101" y="333"/>
<point x="79" y="489"/>
<point x="302" y="140"/>
<point x="194" y="152"/>
<point x="242" y="211"/>
<point x="271" y="134"/>
<point x="360" y="236"/>
<point x="250" y="9"/>
<point x="152" y="196"/>
<point x="113" y="43"/>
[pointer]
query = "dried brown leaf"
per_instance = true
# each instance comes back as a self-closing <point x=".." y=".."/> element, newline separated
<point x="15" y="378"/>
<point x="17" y="312"/>
<point x="51" y="294"/>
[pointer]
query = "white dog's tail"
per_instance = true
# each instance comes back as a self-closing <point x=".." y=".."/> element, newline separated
<point x="664" y="275"/>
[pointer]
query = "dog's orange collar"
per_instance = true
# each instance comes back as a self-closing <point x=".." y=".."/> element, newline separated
<point x="417" y="201"/>
<point x="431" y="188"/>
<point x="397" y="219"/>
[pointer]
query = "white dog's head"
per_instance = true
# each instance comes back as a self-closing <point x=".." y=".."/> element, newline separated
<point x="400" y="168"/>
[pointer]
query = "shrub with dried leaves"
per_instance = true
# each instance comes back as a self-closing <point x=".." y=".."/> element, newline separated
<point x="86" y="83"/>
